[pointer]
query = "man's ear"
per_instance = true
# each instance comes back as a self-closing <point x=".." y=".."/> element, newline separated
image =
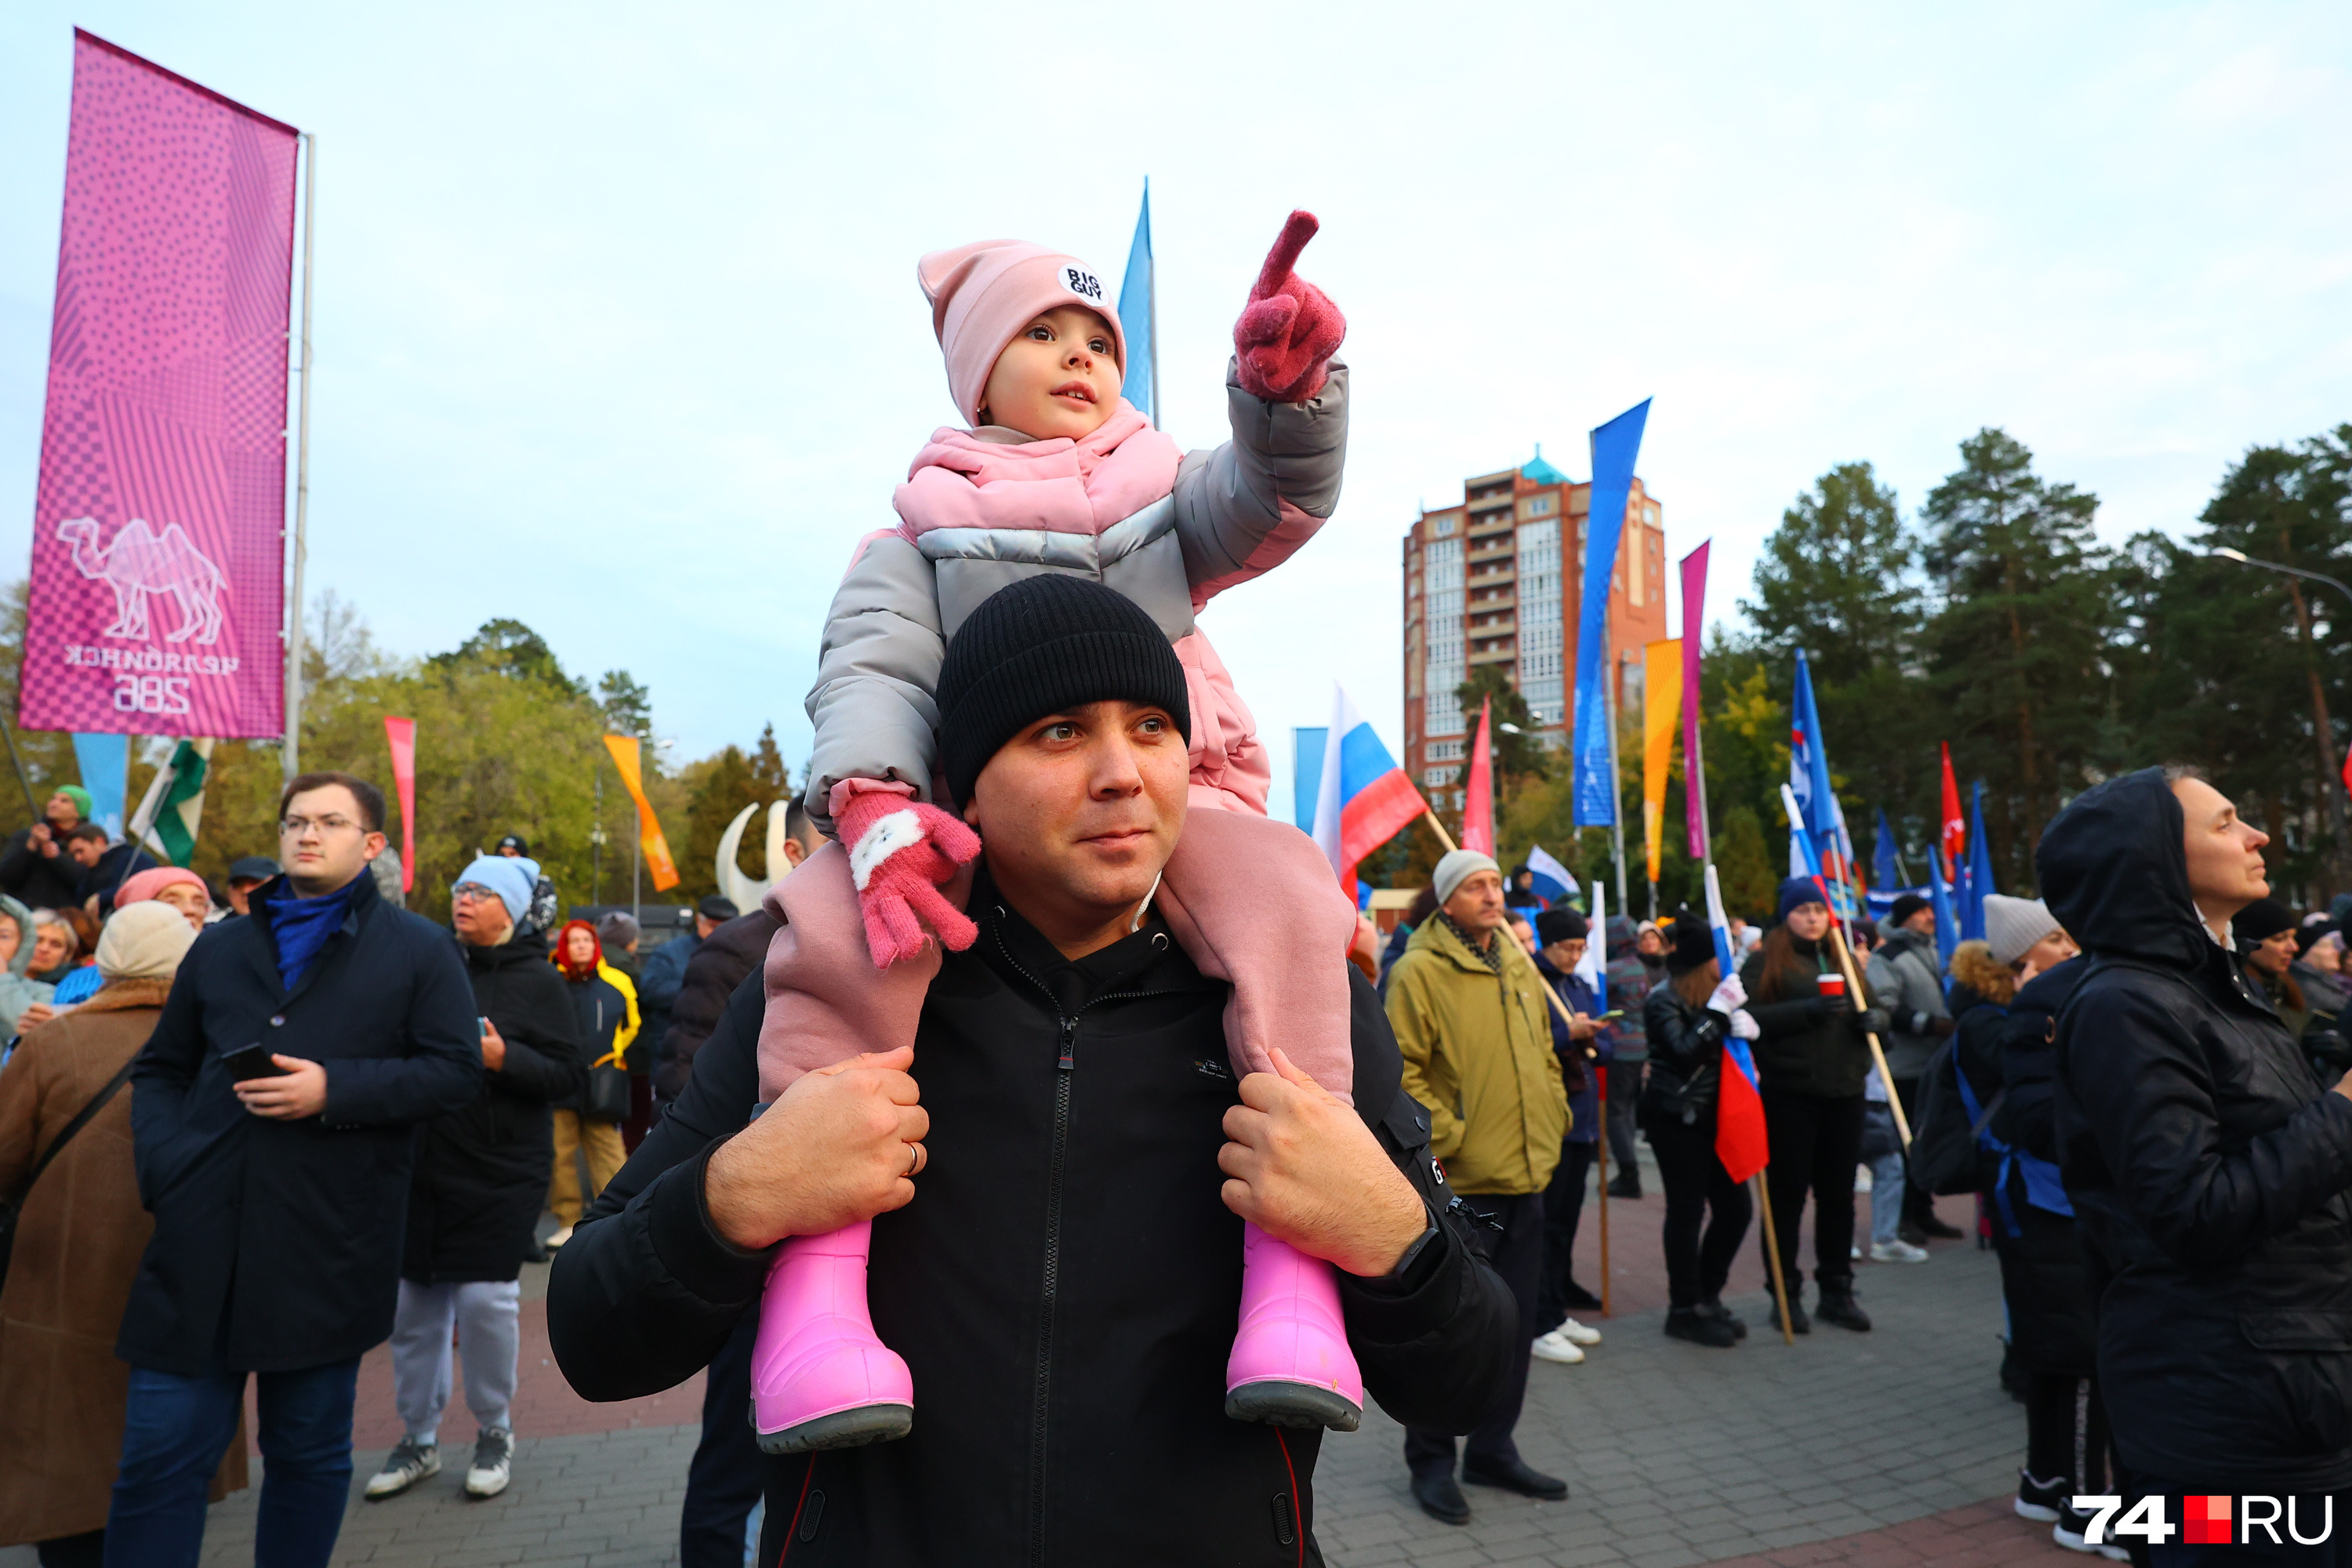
<point x="795" y="852"/>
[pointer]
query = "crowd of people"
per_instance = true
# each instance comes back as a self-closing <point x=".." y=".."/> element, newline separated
<point x="1193" y="1186"/>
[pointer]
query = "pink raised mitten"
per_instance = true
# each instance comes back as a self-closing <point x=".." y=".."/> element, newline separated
<point x="900" y="850"/>
<point x="1290" y="329"/>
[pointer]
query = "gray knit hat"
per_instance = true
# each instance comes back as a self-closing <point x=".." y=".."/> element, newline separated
<point x="2013" y="925"/>
<point x="1457" y="867"/>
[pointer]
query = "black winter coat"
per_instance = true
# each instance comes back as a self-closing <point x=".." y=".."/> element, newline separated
<point x="2045" y="1274"/>
<point x="1685" y="1059"/>
<point x="726" y="955"/>
<point x="1086" y="1426"/>
<point x="2208" y="1166"/>
<point x="277" y="1244"/>
<point x="482" y="1170"/>
<point x="600" y="1011"/>
<point x="1810" y="1044"/>
<point x="37" y="881"/>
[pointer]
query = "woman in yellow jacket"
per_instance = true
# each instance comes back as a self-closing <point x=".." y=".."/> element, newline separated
<point x="606" y="1003"/>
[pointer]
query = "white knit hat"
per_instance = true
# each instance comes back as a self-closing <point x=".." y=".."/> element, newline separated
<point x="2013" y="925"/>
<point x="144" y="941"/>
<point x="1458" y="867"/>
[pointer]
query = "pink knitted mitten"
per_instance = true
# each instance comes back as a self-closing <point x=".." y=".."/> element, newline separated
<point x="1290" y="329"/>
<point x="900" y="850"/>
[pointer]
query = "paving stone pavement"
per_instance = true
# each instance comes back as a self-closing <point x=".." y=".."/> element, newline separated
<point x="1843" y="1449"/>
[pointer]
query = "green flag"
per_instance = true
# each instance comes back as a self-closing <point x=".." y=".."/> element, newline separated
<point x="168" y="816"/>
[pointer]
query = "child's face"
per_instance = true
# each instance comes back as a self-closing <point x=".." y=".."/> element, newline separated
<point x="1057" y="378"/>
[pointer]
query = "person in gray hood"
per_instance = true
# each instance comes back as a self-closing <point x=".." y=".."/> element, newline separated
<point x="1906" y="977"/>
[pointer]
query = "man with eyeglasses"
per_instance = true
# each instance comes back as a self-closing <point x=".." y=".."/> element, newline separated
<point x="273" y="1115"/>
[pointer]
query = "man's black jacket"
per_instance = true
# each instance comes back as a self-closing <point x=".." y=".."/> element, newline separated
<point x="41" y="881"/>
<point x="1064" y="1285"/>
<point x="481" y="1169"/>
<point x="729" y="953"/>
<point x="277" y="1244"/>
<point x="2208" y="1167"/>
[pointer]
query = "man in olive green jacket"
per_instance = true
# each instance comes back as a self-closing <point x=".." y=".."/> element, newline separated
<point x="1467" y="1008"/>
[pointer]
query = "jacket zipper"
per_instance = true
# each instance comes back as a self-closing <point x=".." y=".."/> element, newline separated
<point x="1066" y="1065"/>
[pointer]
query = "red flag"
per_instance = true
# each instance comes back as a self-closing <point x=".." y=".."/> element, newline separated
<point x="1954" y="840"/>
<point x="1739" y="1137"/>
<point x="1479" y="812"/>
<point x="400" y="734"/>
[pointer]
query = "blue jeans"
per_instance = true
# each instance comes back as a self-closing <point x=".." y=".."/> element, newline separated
<point x="174" y="1430"/>
<point x="1882" y="1150"/>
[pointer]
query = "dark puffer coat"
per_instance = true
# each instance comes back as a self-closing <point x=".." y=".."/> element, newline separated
<point x="481" y="1171"/>
<point x="2044" y="1274"/>
<point x="2208" y="1165"/>
<point x="1811" y="1044"/>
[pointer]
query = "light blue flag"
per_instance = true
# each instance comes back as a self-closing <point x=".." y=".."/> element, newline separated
<point x="1616" y="446"/>
<point x="1306" y="773"/>
<point x="1136" y="315"/>
<point x="1939" y="897"/>
<point x="104" y="762"/>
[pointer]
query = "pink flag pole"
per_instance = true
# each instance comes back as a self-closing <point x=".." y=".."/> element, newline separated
<point x="400" y="734"/>
<point x="1694" y="765"/>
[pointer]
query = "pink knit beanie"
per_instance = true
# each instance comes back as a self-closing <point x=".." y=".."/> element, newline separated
<point x="983" y="294"/>
<point x="150" y="882"/>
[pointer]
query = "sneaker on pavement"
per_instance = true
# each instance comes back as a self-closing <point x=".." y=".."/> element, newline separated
<point x="409" y="1462"/>
<point x="2040" y="1500"/>
<point x="2069" y="1533"/>
<point x="493" y="1465"/>
<point x="1581" y="1333"/>
<point x="556" y="1238"/>
<point x="1558" y="1347"/>
<point x="1897" y="1251"/>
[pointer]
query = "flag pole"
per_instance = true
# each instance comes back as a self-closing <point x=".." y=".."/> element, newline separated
<point x="292" y="749"/>
<point x="1601" y="1144"/>
<point x="1877" y="1056"/>
<point x="1616" y="781"/>
<point x="1772" y="1252"/>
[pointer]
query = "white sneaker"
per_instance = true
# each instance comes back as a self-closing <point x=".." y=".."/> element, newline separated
<point x="409" y="1462"/>
<point x="1581" y="1333"/>
<point x="555" y="1242"/>
<point x="493" y="1465"/>
<point x="1556" y="1346"/>
<point x="1897" y="1251"/>
<point x="1861" y="1178"/>
<point x="2071" y="1532"/>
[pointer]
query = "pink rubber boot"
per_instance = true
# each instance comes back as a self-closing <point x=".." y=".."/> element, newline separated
<point x="820" y="1378"/>
<point x="1291" y="1365"/>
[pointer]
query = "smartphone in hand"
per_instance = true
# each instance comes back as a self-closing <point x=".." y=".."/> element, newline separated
<point x="251" y="1061"/>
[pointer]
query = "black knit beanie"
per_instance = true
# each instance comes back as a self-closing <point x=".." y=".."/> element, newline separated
<point x="1042" y="645"/>
<point x="1694" y="943"/>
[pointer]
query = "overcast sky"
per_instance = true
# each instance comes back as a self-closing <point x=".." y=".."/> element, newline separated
<point x="617" y="330"/>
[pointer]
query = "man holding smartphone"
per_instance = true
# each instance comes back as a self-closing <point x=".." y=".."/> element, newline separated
<point x="274" y="1113"/>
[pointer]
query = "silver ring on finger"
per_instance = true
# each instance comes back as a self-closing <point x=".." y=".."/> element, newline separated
<point x="915" y="1158"/>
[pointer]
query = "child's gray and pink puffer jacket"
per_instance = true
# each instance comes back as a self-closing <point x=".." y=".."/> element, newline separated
<point x="986" y="507"/>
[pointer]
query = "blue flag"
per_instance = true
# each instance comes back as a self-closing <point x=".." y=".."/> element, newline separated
<point x="1615" y="447"/>
<point x="104" y="762"/>
<point x="1809" y="764"/>
<point x="1939" y="897"/>
<point x="1136" y="300"/>
<point x="1306" y="773"/>
<point x="1978" y="880"/>
<point x="1886" y="865"/>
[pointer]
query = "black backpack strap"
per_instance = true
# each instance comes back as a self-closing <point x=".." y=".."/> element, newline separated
<point x="81" y="1118"/>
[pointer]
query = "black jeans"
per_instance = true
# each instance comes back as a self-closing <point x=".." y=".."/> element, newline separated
<point x="1696" y="1183"/>
<point x="1813" y="1145"/>
<point x="1517" y="1254"/>
<point x="724" y="1480"/>
<point x="86" y="1550"/>
<point x="1563" y="1205"/>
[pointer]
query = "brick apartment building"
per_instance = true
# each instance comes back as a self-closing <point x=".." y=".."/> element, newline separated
<point x="1499" y="580"/>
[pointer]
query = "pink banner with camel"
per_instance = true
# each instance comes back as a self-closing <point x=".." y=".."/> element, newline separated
<point x="157" y="586"/>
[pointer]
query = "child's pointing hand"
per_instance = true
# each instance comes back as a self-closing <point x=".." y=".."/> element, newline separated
<point x="1289" y="329"/>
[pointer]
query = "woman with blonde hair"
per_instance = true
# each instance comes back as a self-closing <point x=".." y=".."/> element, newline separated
<point x="79" y="1235"/>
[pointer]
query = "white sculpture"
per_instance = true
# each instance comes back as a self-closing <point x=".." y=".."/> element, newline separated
<point x="139" y="563"/>
<point x="742" y="892"/>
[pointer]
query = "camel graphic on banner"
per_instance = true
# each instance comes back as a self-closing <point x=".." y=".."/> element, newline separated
<point x="139" y="562"/>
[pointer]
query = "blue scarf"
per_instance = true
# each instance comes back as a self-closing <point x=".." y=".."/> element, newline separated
<point x="303" y="925"/>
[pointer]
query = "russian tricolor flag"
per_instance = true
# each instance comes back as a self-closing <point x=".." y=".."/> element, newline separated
<point x="1366" y="799"/>
<point x="1739" y="1137"/>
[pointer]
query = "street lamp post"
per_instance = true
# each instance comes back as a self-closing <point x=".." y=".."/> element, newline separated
<point x="2322" y="729"/>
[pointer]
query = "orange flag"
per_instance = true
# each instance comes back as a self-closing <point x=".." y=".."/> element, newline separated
<point x="625" y="749"/>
